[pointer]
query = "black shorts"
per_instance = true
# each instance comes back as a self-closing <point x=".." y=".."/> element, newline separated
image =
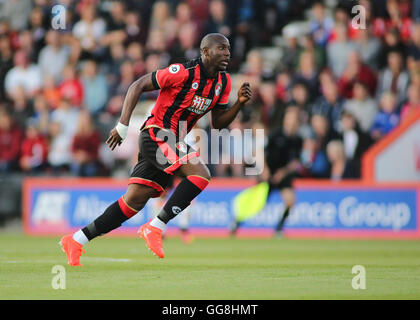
<point x="160" y="155"/>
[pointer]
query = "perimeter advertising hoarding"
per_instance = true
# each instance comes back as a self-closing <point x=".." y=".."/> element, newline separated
<point x="323" y="209"/>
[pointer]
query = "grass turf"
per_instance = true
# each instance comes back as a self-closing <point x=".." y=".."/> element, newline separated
<point x="122" y="268"/>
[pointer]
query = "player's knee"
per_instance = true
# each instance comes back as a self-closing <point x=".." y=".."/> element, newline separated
<point x="137" y="196"/>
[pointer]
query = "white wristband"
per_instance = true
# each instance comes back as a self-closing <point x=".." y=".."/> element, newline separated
<point x="122" y="130"/>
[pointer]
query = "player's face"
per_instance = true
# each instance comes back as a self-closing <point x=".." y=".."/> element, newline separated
<point x="220" y="54"/>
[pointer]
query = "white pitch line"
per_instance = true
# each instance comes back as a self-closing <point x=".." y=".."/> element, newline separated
<point x="57" y="261"/>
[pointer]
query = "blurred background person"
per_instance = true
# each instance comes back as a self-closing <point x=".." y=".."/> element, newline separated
<point x="387" y="118"/>
<point x="34" y="151"/>
<point x="85" y="148"/>
<point x="10" y="141"/>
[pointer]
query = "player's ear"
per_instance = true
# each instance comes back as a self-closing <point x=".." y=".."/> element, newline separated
<point x="205" y="52"/>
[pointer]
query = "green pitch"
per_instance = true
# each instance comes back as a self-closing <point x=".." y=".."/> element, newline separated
<point x="122" y="268"/>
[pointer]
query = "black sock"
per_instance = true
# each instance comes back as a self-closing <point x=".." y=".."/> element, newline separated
<point x="111" y="219"/>
<point x="279" y="226"/>
<point x="181" y="198"/>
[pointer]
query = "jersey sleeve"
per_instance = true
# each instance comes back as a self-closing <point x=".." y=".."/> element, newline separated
<point x="224" y="99"/>
<point x="168" y="77"/>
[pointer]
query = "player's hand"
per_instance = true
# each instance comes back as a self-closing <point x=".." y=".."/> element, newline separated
<point x="244" y="92"/>
<point x="114" y="139"/>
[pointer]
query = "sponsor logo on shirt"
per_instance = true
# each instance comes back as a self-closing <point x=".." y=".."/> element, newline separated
<point x="199" y="104"/>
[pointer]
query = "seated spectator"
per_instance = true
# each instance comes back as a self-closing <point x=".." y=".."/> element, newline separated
<point x="24" y="74"/>
<point x="71" y="87"/>
<point x="339" y="50"/>
<point x="362" y="106"/>
<point x="135" y="55"/>
<point x="356" y="70"/>
<point x="396" y="20"/>
<point x="413" y="50"/>
<point x="355" y="141"/>
<point x="413" y="103"/>
<point x="340" y="167"/>
<point x="51" y="92"/>
<point x="89" y="30"/>
<point x="10" y="142"/>
<point x="313" y="158"/>
<point x="307" y="72"/>
<point x="34" y="150"/>
<point x="218" y="20"/>
<point x="6" y="63"/>
<point x="186" y="47"/>
<point x="394" y="78"/>
<point x="368" y="47"/>
<point x="62" y="129"/>
<point x="85" y="148"/>
<point x="330" y="104"/>
<point x="54" y="51"/>
<point x="95" y="88"/>
<point x="41" y="116"/>
<point x="387" y="118"/>
<point x="321" y="24"/>
<point x="321" y="128"/>
<point x="291" y="50"/>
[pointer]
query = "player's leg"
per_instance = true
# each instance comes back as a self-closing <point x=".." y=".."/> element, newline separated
<point x="195" y="178"/>
<point x="127" y="206"/>
<point x="289" y="199"/>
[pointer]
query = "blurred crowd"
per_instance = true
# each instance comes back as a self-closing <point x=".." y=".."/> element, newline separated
<point x="61" y="91"/>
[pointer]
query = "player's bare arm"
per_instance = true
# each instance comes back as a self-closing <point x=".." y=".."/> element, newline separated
<point x="223" y="118"/>
<point x="134" y="92"/>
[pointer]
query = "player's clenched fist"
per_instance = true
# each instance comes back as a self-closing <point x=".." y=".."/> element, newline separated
<point x="244" y="92"/>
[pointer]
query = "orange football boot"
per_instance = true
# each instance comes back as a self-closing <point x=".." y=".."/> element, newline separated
<point x="73" y="250"/>
<point x="153" y="238"/>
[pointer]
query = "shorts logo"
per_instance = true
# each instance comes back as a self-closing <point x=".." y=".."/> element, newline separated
<point x="200" y="104"/>
<point x="218" y="89"/>
<point x="174" y="68"/>
<point x="181" y="147"/>
<point x="176" y="210"/>
<point x="195" y="86"/>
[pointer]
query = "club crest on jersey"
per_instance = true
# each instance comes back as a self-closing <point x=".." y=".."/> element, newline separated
<point x="195" y="86"/>
<point x="199" y="104"/>
<point x="218" y="89"/>
<point x="181" y="146"/>
<point x="174" y="68"/>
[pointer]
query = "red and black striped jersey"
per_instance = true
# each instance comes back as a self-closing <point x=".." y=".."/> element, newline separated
<point x="187" y="92"/>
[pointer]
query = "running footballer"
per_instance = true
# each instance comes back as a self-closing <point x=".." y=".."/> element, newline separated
<point x="187" y="92"/>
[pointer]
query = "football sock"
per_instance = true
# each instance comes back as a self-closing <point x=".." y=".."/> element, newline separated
<point x="112" y="218"/>
<point x="185" y="192"/>
<point x="157" y="223"/>
<point x="80" y="237"/>
<point x="279" y="226"/>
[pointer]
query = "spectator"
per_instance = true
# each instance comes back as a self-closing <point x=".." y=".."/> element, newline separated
<point x="413" y="50"/>
<point x="162" y="23"/>
<point x="54" y="51"/>
<point x="396" y="20"/>
<point x="89" y="30"/>
<point x="340" y="168"/>
<point x="394" y="78"/>
<point x="339" y="50"/>
<point x="6" y="63"/>
<point x="368" y="47"/>
<point x="85" y="148"/>
<point x="71" y="88"/>
<point x="330" y="104"/>
<point x="135" y="55"/>
<point x="17" y="13"/>
<point x="51" y="91"/>
<point x="62" y="130"/>
<point x="291" y="50"/>
<point x="41" y="116"/>
<point x="10" y="142"/>
<point x="362" y="106"/>
<point x="34" y="150"/>
<point x="95" y="88"/>
<point x="134" y="29"/>
<point x="321" y="25"/>
<point x="24" y="74"/>
<point x="413" y="103"/>
<point x="313" y="158"/>
<point x="355" y="142"/>
<point x="387" y="118"/>
<point x="219" y="19"/>
<point x="307" y="72"/>
<point x="320" y="127"/>
<point x="186" y="47"/>
<point x="356" y="70"/>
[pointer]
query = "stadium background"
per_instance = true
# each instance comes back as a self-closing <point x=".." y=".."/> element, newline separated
<point x="357" y="91"/>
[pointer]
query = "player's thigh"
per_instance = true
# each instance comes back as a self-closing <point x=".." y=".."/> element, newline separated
<point x="193" y="168"/>
<point x="137" y="195"/>
<point x="288" y="196"/>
